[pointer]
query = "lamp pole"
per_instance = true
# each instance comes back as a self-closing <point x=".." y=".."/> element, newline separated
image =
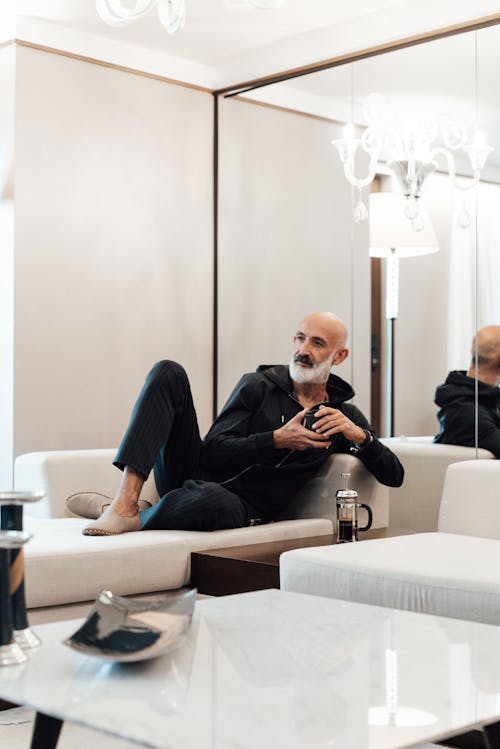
<point x="393" y="236"/>
<point x="391" y="313"/>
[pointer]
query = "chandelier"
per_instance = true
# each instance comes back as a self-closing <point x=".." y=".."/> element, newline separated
<point x="171" y="13"/>
<point x="411" y="145"/>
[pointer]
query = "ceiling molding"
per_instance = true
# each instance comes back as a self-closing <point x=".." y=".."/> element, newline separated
<point x="379" y="49"/>
<point x="112" y="66"/>
<point x="113" y="51"/>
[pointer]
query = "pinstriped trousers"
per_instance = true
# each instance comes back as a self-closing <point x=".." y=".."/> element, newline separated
<point x="163" y="436"/>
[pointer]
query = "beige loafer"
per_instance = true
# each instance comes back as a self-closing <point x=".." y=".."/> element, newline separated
<point x="91" y="504"/>
<point x="111" y="524"/>
<point x="88" y="504"/>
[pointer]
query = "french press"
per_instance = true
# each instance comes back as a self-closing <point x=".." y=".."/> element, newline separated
<point x="347" y="513"/>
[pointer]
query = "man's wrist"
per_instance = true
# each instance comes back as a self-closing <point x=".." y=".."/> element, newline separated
<point x="277" y="439"/>
<point x="366" y="440"/>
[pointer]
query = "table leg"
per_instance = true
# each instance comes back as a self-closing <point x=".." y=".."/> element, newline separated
<point x="492" y="735"/>
<point x="45" y="732"/>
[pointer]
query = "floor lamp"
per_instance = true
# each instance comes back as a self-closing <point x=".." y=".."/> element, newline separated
<point x="394" y="236"/>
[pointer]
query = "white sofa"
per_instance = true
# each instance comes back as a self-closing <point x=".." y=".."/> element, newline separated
<point x="415" y="505"/>
<point x="453" y="572"/>
<point x="63" y="566"/>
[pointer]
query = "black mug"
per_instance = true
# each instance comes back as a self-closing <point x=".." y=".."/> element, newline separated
<point x="310" y="417"/>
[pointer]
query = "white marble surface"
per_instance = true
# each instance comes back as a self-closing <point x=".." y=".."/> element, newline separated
<point x="275" y="670"/>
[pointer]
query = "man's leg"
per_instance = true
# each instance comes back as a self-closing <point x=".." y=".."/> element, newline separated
<point x="162" y="434"/>
<point x="163" y="431"/>
<point x="198" y="506"/>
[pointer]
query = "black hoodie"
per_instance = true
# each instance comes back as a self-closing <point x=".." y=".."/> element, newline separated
<point x="239" y="448"/>
<point x="456" y="399"/>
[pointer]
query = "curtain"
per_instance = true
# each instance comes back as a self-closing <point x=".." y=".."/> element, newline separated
<point x="474" y="254"/>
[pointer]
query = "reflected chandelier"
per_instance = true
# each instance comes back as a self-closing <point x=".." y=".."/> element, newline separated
<point x="411" y="147"/>
<point x="171" y="13"/>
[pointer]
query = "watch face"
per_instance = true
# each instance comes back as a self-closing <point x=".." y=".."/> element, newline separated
<point x="367" y="441"/>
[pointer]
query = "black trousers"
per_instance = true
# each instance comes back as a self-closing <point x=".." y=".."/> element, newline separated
<point x="163" y="436"/>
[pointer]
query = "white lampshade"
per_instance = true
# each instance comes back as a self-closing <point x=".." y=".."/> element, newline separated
<point x="390" y="229"/>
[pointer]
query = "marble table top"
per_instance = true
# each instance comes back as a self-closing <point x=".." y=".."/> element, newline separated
<point x="277" y="670"/>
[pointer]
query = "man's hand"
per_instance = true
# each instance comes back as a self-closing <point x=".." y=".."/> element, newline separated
<point x="331" y="421"/>
<point x="294" y="436"/>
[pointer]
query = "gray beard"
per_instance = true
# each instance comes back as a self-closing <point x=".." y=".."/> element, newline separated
<point x="316" y="375"/>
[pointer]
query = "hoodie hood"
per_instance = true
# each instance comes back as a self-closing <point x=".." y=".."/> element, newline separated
<point x="459" y="387"/>
<point x="338" y="389"/>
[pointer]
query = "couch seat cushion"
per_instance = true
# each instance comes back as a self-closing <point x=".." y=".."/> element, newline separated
<point x="63" y="566"/>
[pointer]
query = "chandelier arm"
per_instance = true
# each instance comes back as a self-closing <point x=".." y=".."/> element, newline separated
<point x="140" y="7"/>
<point x="450" y="162"/>
<point x="172" y="14"/>
<point x="115" y="13"/>
<point x="362" y="181"/>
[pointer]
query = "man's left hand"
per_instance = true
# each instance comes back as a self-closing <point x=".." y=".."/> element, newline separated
<point x="331" y="421"/>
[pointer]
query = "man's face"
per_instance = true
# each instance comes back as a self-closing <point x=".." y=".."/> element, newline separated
<point x="317" y="346"/>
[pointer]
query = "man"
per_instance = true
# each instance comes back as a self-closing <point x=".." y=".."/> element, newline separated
<point x="257" y="454"/>
<point x="457" y="397"/>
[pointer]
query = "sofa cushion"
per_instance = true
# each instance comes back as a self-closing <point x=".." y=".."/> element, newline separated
<point x="415" y="504"/>
<point x="63" y="566"/>
<point x="60" y="473"/>
<point x="470" y="505"/>
<point x="432" y="573"/>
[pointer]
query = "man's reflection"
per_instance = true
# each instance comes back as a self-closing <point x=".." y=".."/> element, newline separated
<point x="457" y="397"/>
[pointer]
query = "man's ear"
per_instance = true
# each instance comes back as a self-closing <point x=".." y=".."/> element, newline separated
<point x="339" y="357"/>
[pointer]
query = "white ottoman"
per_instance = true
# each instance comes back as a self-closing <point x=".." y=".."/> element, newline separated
<point x="433" y="573"/>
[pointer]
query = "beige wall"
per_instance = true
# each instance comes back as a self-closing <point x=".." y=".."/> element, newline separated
<point x="287" y="245"/>
<point x="113" y="253"/>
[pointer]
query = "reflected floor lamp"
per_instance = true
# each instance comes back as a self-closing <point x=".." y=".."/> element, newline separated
<point x="394" y="236"/>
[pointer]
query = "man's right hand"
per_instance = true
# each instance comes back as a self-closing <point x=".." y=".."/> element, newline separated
<point x="294" y="436"/>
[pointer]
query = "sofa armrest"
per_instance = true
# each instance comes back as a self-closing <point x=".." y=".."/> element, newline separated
<point x="60" y="473"/>
<point x="317" y="498"/>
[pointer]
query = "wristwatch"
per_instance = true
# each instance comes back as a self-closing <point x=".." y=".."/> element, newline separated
<point x="368" y="440"/>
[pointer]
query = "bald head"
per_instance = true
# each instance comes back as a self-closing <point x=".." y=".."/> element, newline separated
<point x="487" y="342"/>
<point x="319" y="343"/>
<point x="486" y="354"/>
<point x="330" y="324"/>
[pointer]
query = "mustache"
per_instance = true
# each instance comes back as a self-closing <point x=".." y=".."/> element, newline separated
<point x="303" y="359"/>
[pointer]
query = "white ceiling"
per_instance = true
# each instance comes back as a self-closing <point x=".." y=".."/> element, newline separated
<point x="223" y="45"/>
<point x="214" y="30"/>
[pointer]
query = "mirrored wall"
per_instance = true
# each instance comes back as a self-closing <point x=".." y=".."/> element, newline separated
<point x="289" y="242"/>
